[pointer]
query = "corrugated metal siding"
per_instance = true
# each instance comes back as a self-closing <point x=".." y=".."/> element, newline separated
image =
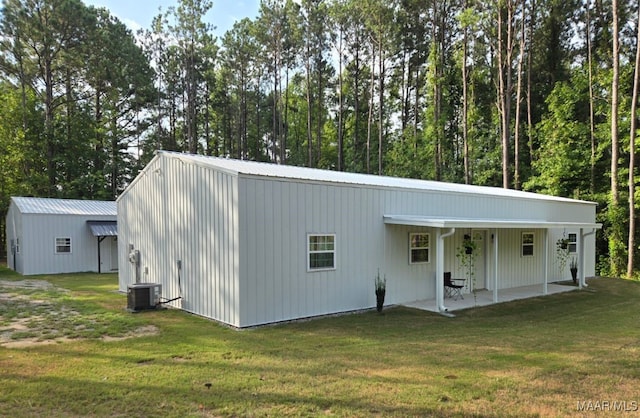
<point x="184" y="212"/>
<point x="408" y="282"/>
<point x="276" y="285"/>
<point x="38" y="244"/>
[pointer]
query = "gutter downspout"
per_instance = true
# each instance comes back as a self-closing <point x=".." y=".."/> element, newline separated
<point x="581" y="278"/>
<point x="440" y="269"/>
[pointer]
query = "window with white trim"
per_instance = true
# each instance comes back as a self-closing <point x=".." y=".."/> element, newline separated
<point x="419" y="247"/>
<point x="527" y="244"/>
<point x="573" y="243"/>
<point x="321" y="252"/>
<point x="63" y="245"/>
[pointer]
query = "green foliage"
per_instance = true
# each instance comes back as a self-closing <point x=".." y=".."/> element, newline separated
<point x="380" y="283"/>
<point x="562" y="252"/>
<point x="563" y="160"/>
<point x="467" y="254"/>
<point x="87" y="103"/>
<point x="616" y="215"/>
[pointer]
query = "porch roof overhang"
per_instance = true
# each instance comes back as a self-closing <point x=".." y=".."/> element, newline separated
<point x="103" y="228"/>
<point x="443" y="222"/>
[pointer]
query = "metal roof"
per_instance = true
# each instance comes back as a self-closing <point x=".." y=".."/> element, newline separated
<point x="40" y="205"/>
<point x="437" y="222"/>
<point x="311" y="174"/>
<point x="103" y="228"/>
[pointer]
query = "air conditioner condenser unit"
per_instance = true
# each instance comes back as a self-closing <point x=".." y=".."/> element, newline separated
<point x="143" y="296"/>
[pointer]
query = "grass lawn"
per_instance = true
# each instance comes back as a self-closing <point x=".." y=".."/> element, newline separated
<point x="538" y="357"/>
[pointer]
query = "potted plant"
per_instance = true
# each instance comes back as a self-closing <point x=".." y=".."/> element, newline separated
<point x="573" y="267"/>
<point x="469" y="244"/>
<point x="562" y="253"/>
<point x="563" y="243"/>
<point x="381" y="289"/>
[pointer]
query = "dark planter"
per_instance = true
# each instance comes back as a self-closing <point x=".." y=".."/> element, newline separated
<point x="379" y="299"/>
<point x="574" y="275"/>
<point x="468" y="250"/>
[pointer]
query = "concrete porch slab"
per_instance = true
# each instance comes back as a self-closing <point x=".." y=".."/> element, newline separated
<point x="485" y="297"/>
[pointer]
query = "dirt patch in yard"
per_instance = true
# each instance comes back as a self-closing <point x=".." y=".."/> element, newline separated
<point x="35" y="312"/>
<point x="26" y="284"/>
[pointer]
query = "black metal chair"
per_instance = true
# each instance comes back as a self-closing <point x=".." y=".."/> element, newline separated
<point x="451" y="289"/>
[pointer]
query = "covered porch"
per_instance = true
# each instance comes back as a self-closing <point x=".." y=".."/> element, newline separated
<point x="485" y="297"/>
<point x="498" y="258"/>
<point x="102" y="230"/>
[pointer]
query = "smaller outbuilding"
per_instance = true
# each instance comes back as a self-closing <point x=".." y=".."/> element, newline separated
<point x="49" y="236"/>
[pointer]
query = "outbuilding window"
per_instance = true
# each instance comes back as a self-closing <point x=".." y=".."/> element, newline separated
<point x="63" y="245"/>
<point x="419" y="247"/>
<point x="321" y="252"/>
<point x="527" y="244"/>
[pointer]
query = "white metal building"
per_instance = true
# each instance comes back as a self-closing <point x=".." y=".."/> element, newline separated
<point x="250" y="243"/>
<point x="47" y="236"/>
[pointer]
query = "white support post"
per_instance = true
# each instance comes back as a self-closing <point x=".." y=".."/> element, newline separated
<point x="440" y="268"/>
<point x="581" y="280"/>
<point x="495" y="265"/>
<point x="545" y="287"/>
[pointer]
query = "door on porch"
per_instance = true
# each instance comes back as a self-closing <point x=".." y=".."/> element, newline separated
<point x="480" y="271"/>
<point x="114" y="253"/>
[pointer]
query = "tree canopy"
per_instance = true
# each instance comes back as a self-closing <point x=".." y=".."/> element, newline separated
<point x="528" y="94"/>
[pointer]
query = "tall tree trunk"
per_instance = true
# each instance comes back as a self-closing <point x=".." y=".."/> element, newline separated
<point x="319" y="118"/>
<point x="114" y="159"/>
<point x="370" y="118"/>
<point x="356" y="105"/>
<point x="504" y="55"/>
<point x="516" y="133"/>
<point x="592" y="125"/>
<point x="437" y="92"/>
<point x="285" y="125"/>
<point x="244" y="114"/>
<point x="416" y="110"/>
<point x="614" y="106"/>
<point x="309" y="105"/>
<point x="192" y="135"/>
<point x="381" y="71"/>
<point x="274" y="114"/>
<point x="340" y="106"/>
<point x="529" y="83"/>
<point x="465" y="101"/>
<point x="48" y="128"/>
<point x="615" y="217"/>
<point x="632" y="149"/>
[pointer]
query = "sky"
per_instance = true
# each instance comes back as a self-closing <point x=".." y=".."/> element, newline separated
<point x="138" y="14"/>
